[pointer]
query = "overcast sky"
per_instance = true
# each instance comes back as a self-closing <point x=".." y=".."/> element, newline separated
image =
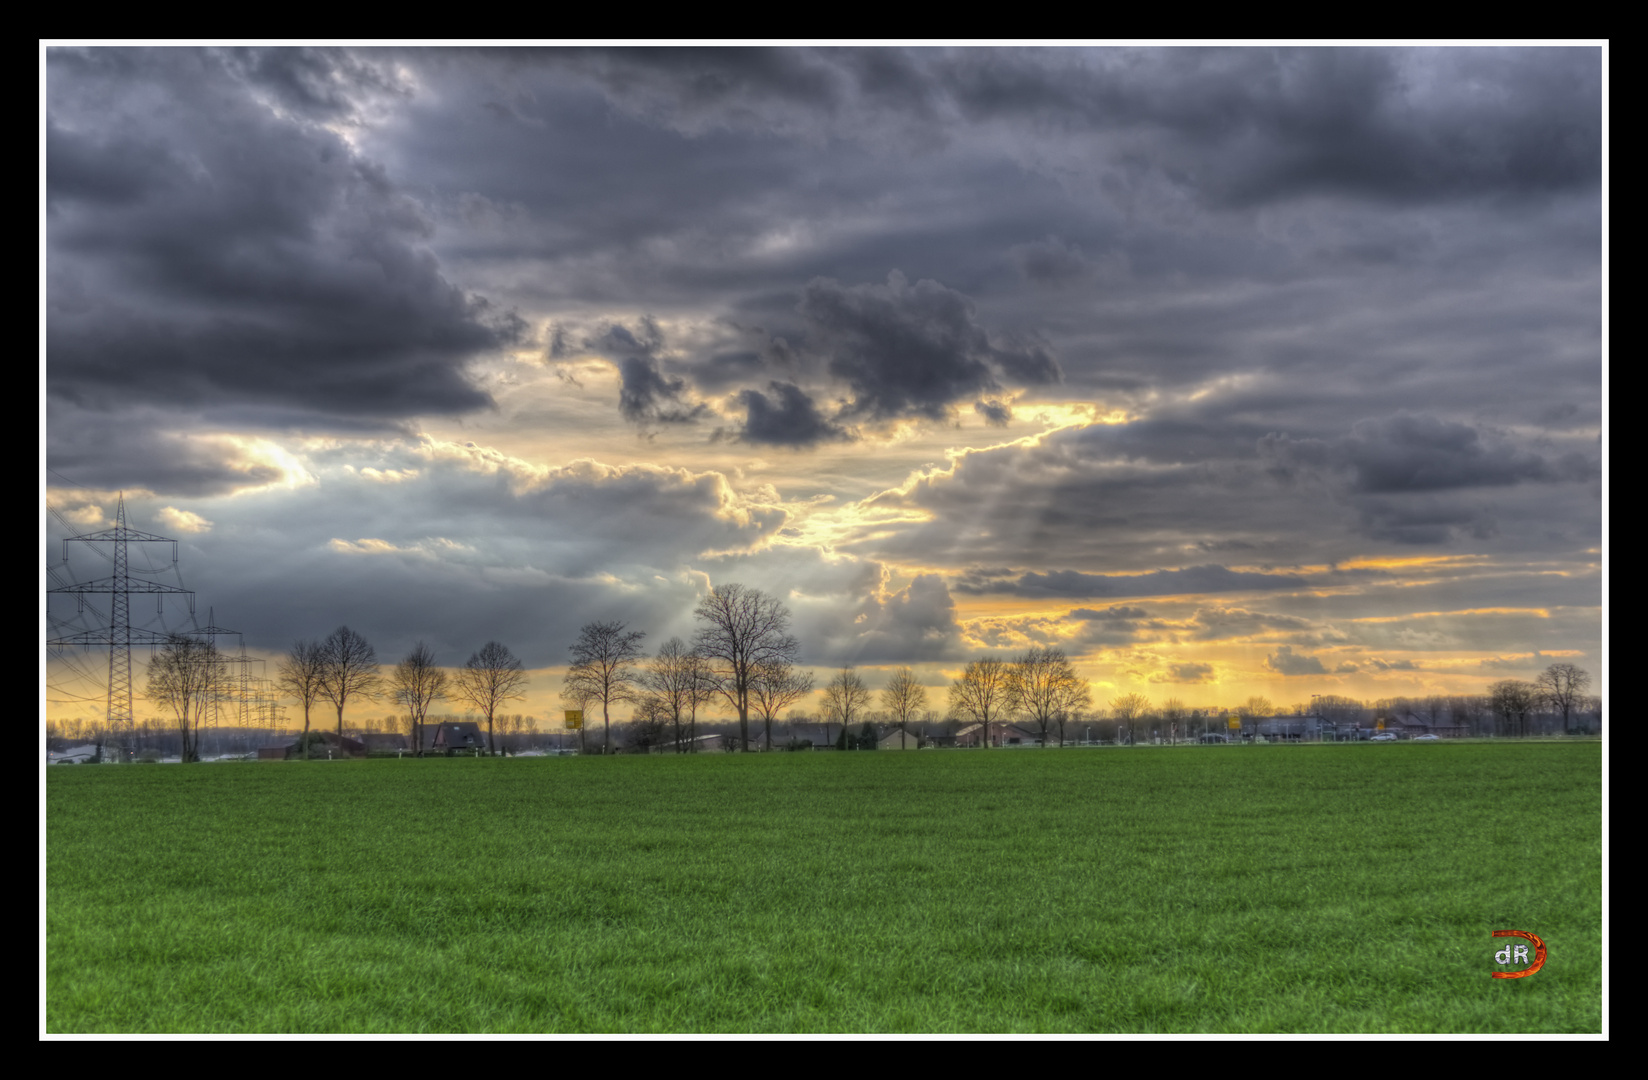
<point x="1231" y="371"/>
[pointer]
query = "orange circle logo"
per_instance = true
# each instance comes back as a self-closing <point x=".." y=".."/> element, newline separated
<point x="1518" y="954"/>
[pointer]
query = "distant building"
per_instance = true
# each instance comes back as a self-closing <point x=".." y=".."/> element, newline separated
<point x="712" y="741"/>
<point x="75" y="755"/>
<point x="899" y="739"/>
<point x="1001" y="734"/>
<point x="454" y="737"/>
<point x="815" y="733"/>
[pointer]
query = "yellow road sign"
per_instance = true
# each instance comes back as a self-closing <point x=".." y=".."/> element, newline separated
<point x="574" y="718"/>
<point x="1234" y="722"/>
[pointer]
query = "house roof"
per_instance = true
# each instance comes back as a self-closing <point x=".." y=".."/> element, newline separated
<point x="456" y="734"/>
<point x="997" y="727"/>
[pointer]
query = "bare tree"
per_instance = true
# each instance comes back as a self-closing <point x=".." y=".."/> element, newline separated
<point x="777" y="686"/>
<point x="1513" y="700"/>
<point x="982" y="693"/>
<point x="675" y="680"/>
<point x="1042" y="683"/>
<point x="647" y="726"/>
<point x="1473" y="712"/>
<point x="489" y="678"/>
<point x="845" y="697"/>
<point x="349" y="668"/>
<point x="904" y="699"/>
<point x="742" y="630"/>
<point x="301" y="675"/>
<point x="1176" y="715"/>
<point x="606" y="667"/>
<point x="418" y="684"/>
<point x="707" y="688"/>
<point x="186" y="676"/>
<point x="1563" y="687"/>
<point x="1128" y="710"/>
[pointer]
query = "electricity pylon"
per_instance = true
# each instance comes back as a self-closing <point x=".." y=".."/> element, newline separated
<point x="120" y="635"/>
<point x="242" y="682"/>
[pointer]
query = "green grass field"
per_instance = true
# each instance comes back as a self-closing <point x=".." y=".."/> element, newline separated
<point x="1188" y="889"/>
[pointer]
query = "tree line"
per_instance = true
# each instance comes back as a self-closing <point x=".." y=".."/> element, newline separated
<point x="744" y="657"/>
<point x="344" y="666"/>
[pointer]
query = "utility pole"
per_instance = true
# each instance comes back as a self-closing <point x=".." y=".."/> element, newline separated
<point x="120" y="635"/>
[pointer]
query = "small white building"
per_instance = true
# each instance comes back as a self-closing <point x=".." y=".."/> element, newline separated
<point x="899" y="739"/>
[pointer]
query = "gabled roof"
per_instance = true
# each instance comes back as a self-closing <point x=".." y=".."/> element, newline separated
<point x="457" y="735"/>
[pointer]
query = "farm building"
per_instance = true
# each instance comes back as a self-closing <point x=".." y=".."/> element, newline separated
<point x="898" y="739"/>
<point x="1001" y="734"/>
<point x="454" y="737"/>
<point x="820" y="735"/>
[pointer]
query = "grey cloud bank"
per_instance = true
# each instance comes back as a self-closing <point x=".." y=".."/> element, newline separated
<point x="1122" y="323"/>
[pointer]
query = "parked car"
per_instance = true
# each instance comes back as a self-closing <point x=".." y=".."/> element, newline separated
<point x="1383" y="736"/>
<point x="1427" y="738"/>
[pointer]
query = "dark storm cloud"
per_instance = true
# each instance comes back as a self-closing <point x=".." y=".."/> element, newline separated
<point x="1244" y="126"/>
<point x="1418" y="453"/>
<point x="147" y="452"/>
<point x="517" y="556"/>
<point x="1074" y="584"/>
<point x="646" y="395"/>
<point x="1226" y="624"/>
<point x="1113" y="626"/>
<point x="914" y="350"/>
<point x="208" y="251"/>
<point x="695" y="88"/>
<point x="1050" y="262"/>
<point x="649" y="397"/>
<point x="914" y="624"/>
<point x="1184" y="673"/>
<point x="1418" y="479"/>
<point x="995" y="413"/>
<point x="1110" y="614"/>
<point x="1154" y="492"/>
<point x="318" y="83"/>
<point x="1218" y="245"/>
<point x="1234" y="126"/>
<point x="788" y="418"/>
<point x="1284" y="661"/>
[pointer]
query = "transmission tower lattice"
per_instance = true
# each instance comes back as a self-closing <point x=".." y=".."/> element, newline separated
<point x="242" y="681"/>
<point x="120" y="635"/>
